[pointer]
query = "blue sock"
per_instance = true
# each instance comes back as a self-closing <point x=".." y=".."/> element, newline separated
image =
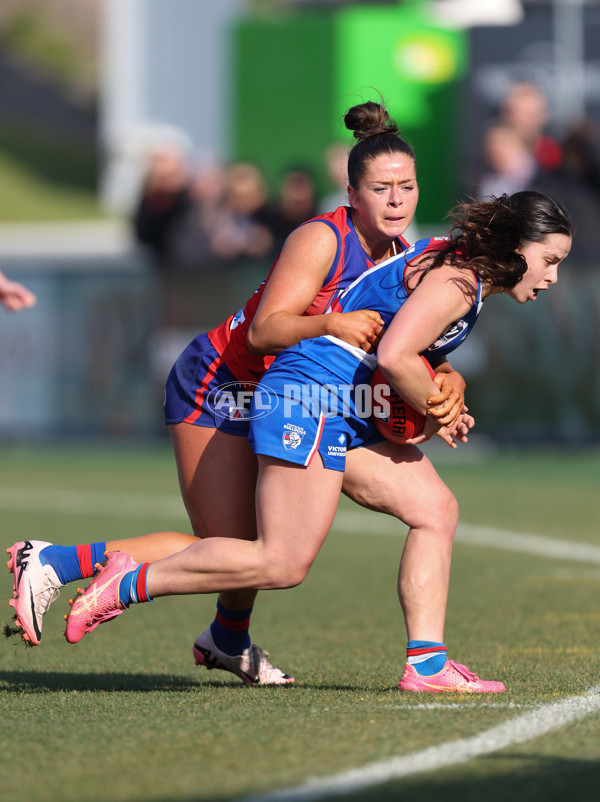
<point x="133" y="586"/>
<point x="427" y="657"/>
<point x="230" y="629"/>
<point x="73" y="562"/>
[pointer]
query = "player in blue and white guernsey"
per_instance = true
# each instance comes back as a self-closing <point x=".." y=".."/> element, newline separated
<point x="513" y="244"/>
<point x="339" y="364"/>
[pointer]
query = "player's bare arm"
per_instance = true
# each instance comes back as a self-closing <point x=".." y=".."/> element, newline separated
<point x="298" y="277"/>
<point x="441" y="297"/>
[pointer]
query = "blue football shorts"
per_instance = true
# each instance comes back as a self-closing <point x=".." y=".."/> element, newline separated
<point x="308" y="413"/>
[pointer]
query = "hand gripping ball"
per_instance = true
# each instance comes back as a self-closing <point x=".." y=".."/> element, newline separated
<point x="393" y="417"/>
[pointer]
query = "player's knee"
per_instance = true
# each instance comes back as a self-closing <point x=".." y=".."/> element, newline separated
<point x="444" y="512"/>
<point x="283" y="573"/>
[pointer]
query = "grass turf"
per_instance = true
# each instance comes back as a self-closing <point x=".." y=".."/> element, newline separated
<point x="125" y="714"/>
<point x="46" y="179"/>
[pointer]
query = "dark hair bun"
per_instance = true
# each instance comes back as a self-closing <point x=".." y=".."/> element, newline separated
<point x="369" y="119"/>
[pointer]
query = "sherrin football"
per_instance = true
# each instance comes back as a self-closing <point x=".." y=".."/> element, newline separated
<point x="393" y="417"/>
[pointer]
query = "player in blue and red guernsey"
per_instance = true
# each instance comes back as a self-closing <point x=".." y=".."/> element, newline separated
<point x="209" y="427"/>
<point x="429" y="295"/>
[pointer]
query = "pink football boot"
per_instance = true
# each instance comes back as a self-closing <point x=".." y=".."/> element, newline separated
<point x="453" y="678"/>
<point x="99" y="602"/>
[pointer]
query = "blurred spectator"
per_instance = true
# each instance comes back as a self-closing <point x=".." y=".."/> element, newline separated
<point x="509" y="165"/>
<point x="336" y="163"/>
<point x="519" y="154"/>
<point x="576" y="184"/>
<point x="581" y="156"/>
<point x="164" y="199"/>
<point x="214" y="216"/>
<point x="516" y="148"/>
<point x="242" y="227"/>
<point x="297" y="203"/>
<point x="14" y="296"/>
<point x="189" y="244"/>
<point x="525" y="108"/>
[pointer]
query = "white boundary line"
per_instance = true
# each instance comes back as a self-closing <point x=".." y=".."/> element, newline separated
<point x="378" y="524"/>
<point x="90" y="502"/>
<point x="517" y="730"/>
<point x="514" y="731"/>
<point x="83" y="502"/>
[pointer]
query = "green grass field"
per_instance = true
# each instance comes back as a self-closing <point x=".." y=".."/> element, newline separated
<point x="126" y="716"/>
<point x="45" y="179"/>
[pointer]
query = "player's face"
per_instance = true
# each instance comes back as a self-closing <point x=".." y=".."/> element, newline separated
<point x="543" y="259"/>
<point x="385" y="201"/>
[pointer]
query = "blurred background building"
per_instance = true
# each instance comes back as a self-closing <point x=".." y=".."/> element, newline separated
<point x="154" y="154"/>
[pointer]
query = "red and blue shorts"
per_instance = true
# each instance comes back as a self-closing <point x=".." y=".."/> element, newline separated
<point x="201" y="390"/>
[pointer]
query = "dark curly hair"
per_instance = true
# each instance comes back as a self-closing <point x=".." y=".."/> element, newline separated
<point x="484" y="235"/>
<point x="376" y="133"/>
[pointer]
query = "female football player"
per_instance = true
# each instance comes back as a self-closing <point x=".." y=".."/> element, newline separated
<point x="216" y="466"/>
<point x="429" y="298"/>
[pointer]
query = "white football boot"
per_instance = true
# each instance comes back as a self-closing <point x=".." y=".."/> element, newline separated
<point x="251" y="666"/>
<point x="35" y="587"/>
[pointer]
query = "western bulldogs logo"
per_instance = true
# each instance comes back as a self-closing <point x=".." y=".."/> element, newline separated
<point x="292" y="437"/>
<point x="291" y="440"/>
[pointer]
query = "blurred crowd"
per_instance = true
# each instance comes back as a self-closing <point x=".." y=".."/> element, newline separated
<point x="520" y="151"/>
<point x="192" y="216"/>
